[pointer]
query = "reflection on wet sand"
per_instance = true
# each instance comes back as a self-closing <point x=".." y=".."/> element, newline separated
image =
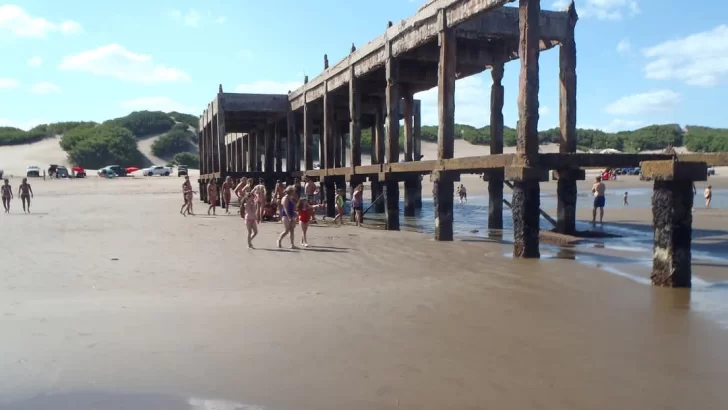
<point x="89" y="400"/>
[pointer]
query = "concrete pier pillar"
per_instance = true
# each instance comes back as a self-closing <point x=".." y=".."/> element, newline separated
<point x="391" y="199"/>
<point x="495" y="177"/>
<point x="525" y="206"/>
<point x="411" y="193"/>
<point x="672" y="219"/>
<point x="566" y="198"/>
<point x="417" y="149"/>
<point x="330" y="193"/>
<point x="495" y="200"/>
<point x="443" y="190"/>
<point x="377" y="190"/>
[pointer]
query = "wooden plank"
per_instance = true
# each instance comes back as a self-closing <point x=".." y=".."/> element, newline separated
<point x="407" y="35"/>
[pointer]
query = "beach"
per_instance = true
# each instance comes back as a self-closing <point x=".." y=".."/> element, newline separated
<point x="109" y="295"/>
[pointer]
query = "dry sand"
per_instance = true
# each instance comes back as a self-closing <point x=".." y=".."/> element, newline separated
<point x="110" y="299"/>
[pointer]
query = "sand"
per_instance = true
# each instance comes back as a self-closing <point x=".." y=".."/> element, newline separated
<point x="110" y="299"/>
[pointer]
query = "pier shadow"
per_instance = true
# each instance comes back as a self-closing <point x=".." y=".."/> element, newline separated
<point x="280" y="250"/>
<point x="323" y="250"/>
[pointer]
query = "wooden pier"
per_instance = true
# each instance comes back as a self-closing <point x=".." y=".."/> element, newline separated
<point x="253" y="135"/>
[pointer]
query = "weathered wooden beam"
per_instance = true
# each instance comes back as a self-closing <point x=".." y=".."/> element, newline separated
<point x="495" y="182"/>
<point x="275" y="103"/>
<point x="354" y="119"/>
<point x="268" y="141"/>
<point x="327" y="160"/>
<point x="408" y="34"/>
<point x="503" y="22"/>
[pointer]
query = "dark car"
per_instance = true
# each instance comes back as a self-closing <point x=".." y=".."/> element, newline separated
<point x="118" y="170"/>
<point x="182" y="170"/>
<point x="61" y="172"/>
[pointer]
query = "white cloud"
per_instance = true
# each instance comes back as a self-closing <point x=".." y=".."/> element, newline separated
<point x="7" y="83"/>
<point x="699" y="59"/>
<point x="114" y="60"/>
<point x="624" y="46"/>
<point x="15" y="22"/>
<point x="35" y="62"/>
<point x="619" y="124"/>
<point x="544" y="111"/>
<point x="472" y="105"/>
<point x="45" y="87"/>
<point x="644" y="103"/>
<point x="191" y="18"/>
<point x="165" y="104"/>
<point x="602" y="9"/>
<point x="268" y="87"/>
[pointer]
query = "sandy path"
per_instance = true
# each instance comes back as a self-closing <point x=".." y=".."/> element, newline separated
<point x="111" y="290"/>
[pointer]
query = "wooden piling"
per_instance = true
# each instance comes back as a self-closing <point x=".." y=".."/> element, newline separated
<point x="495" y="181"/>
<point x="443" y="189"/>
<point x="391" y="186"/>
<point x="410" y="187"/>
<point x="417" y="150"/>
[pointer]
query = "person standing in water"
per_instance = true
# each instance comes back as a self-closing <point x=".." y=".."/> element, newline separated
<point x="6" y="191"/>
<point x="288" y="215"/>
<point x="250" y="210"/>
<point x="624" y="200"/>
<point x="462" y="193"/>
<point x="25" y="192"/>
<point x="227" y="188"/>
<point x="708" y="196"/>
<point x="212" y="196"/>
<point x="598" y="189"/>
<point x="357" y="202"/>
<point x="187" y="193"/>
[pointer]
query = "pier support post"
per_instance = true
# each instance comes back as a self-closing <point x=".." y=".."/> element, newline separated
<point x="329" y="184"/>
<point x="442" y="192"/>
<point x="307" y="134"/>
<point x="495" y="177"/>
<point x="566" y="183"/>
<point x="410" y="188"/>
<point x="566" y="198"/>
<point x="672" y="203"/>
<point x="391" y="185"/>
<point x="379" y="145"/>
<point x="268" y="142"/>
<point x="525" y="206"/>
<point x="417" y="150"/>
<point x="354" y="119"/>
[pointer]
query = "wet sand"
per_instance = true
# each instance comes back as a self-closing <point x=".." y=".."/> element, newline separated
<point x="107" y="293"/>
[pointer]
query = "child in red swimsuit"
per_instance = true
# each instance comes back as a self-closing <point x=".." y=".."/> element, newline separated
<point x="304" y="211"/>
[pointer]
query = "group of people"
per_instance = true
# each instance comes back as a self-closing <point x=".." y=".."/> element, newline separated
<point x="25" y="192"/>
<point x="292" y="205"/>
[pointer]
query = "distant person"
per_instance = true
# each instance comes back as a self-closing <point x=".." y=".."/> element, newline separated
<point x="6" y="191"/>
<point x="260" y="193"/>
<point x="305" y="210"/>
<point x="250" y="212"/>
<point x="624" y="200"/>
<point x="187" y="194"/>
<point x="25" y="192"/>
<point x="357" y="202"/>
<point x="462" y="193"/>
<point x="339" y="200"/>
<point x="288" y="216"/>
<point x="227" y="188"/>
<point x="239" y="192"/>
<point x="708" y="196"/>
<point x="212" y="194"/>
<point x="598" y="189"/>
<point x="310" y="190"/>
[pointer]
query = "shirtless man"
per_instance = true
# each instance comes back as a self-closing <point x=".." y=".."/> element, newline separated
<point x="6" y="191"/>
<point x="708" y="196"/>
<point x="598" y="189"/>
<point x="212" y="196"/>
<point x="187" y="193"/>
<point x="227" y="188"/>
<point x="25" y="192"/>
<point x="259" y="192"/>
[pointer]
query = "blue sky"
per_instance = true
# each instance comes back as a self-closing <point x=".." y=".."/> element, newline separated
<point x="639" y="61"/>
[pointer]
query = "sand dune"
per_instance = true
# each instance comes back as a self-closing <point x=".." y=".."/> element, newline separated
<point x="15" y="159"/>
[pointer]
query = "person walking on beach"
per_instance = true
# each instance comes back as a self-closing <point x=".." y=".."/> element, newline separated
<point x="288" y="215"/>
<point x="708" y="196"/>
<point x="598" y="189"/>
<point x="187" y="193"/>
<point x="227" y="188"/>
<point x="310" y="190"/>
<point x="250" y="210"/>
<point x="240" y="193"/>
<point x="6" y="191"/>
<point x="260" y="193"/>
<point x="25" y="192"/>
<point x="339" y="200"/>
<point x="624" y="200"/>
<point x="305" y="210"/>
<point x="357" y="202"/>
<point x="212" y="196"/>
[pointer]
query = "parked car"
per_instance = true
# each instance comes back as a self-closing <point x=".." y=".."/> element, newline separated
<point x="32" y="171"/>
<point x="157" y="170"/>
<point x="61" y="171"/>
<point x="182" y="170"/>
<point x="115" y="169"/>
<point x="711" y="171"/>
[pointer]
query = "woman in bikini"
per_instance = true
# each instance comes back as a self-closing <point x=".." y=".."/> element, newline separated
<point x="212" y="196"/>
<point x="356" y="203"/>
<point x="239" y="192"/>
<point x="227" y="188"/>
<point x="187" y="192"/>
<point x="25" y="192"/>
<point x="6" y="191"/>
<point x="305" y="211"/>
<point x="260" y="193"/>
<point x="250" y="210"/>
<point x="288" y="215"/>
<point x="708" y="196"/>
<point x="339" y="206"/>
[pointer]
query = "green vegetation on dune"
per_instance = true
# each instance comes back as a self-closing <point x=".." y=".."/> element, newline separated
<point x="144" y="123"/>
<point x="101" y="145"/>
<point x="704" y="139"/>
<point x="187" y="158"/>
<point x="173" y="142"/>
<point x="16" y="136"/>
<point x="189" y="119"/>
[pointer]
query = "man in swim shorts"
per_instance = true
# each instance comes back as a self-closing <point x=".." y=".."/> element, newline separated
<point x="598" y="189"/>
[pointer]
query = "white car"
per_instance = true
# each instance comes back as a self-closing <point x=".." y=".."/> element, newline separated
<point x="32" y="171"/>
<point x="157" y="170"/>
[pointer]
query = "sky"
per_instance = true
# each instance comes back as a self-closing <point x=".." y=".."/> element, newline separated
<point x="640" y="62"/>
